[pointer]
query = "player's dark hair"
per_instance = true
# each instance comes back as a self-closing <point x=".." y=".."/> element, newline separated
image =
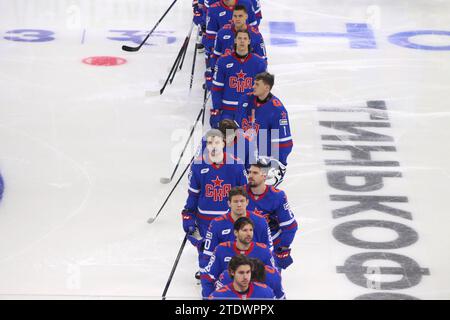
<point x="267" y="78"/>
<point x="242" y="31"/>
<point x="242" y="222"/>
<point x="263" y="164"/>
<point x="250" y="49"/>
<point x="258" y="270"/>
<point x="237" y="191"/>
<point x="240" y="7"/>
<point x="227" y="124"/>
<point x="236" y="262"/>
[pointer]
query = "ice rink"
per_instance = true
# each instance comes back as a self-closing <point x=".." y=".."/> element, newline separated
<point x="82" y="147"/>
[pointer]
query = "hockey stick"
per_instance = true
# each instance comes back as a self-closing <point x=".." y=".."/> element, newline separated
<point x="151" y="220"/>
<point x="172" y="71"/>
<point x="180" y="61"/>
<point x="189" y="39"/>
<point x="133" y="49"/>
<point x="206" y="96"/>
<point x="175" y="264"/>
<point x="193" y="63"/>
<point x="168" y="180"/>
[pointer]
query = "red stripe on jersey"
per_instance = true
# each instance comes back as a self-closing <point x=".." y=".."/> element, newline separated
<point x="284" y="145"/>
<point x="214" y="88"/>
<point x="229" y="108"/>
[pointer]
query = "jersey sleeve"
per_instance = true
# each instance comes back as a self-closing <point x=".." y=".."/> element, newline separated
<point x="286" y="220"/>
<point x="218" y="84"/>
<point x="194" y="189"/>
<point x="260" y="48"/>
<point x="212" y="28"/>
<point x="281" y="132"/>
<point x="217" y="51"/>
<point x="264" y="235"/>
<point x="210" y="273"/>
<point x="211" y="239"/>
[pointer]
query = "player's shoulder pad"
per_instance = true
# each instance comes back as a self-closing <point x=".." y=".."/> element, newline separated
<point x="261" y="245"/>
<point x="259" y="215"/>
<point x="254" y="30"/>
<point x="215" y="5"/>
<point x="223" y="289"/>
<point x="270" y="269"/>
<point x="227" y="26"/>
<point x="218" y="219"/>
<point x="275" y="190"/>
<point x="258" y="56"/>
<point x="225" y="244"/>
<point x="259" y="284"/>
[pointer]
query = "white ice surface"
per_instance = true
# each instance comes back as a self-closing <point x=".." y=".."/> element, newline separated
<point x="82" y="148"/>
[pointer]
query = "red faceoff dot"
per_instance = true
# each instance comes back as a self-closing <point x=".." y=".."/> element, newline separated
<point x="104" y="61"/>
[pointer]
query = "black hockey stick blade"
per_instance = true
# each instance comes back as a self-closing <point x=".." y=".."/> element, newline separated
<point x="134" y="49"/>
<point x="131" y="49"/>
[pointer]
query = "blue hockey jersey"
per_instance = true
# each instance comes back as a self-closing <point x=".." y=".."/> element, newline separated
<point x="218" y="15"/>
<point x="255" y="291"/>
<point x="273" y="280"/>
<point x="256" y="6"/>
<point x="221" y="230"/>
<point x="223" y="253"/>
<point x="272" y="117"/>
<point x="241" y="148"/>
<point x="224" y="43"/>
<point x="273" y="205"/>
<point x="233" y="78"/>
<point x="209" y="185"/>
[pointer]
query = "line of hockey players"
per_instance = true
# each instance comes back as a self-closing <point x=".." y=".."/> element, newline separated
<point x="236" y="217"/>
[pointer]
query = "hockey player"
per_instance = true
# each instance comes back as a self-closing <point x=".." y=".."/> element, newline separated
<point x="244" y="244"/>
<point x="235" y="143"/>
<point x="210" y="180"/>
<point x="260" y="273"/>
<point x="243" y="286"/>
<point x="220" y="229"/>
<point x="263" y="114"/>
<point x="218" y="15"/>
<point x="233" y="78"/>
<point x="272" y="203"/>
<point x="256" y="6"/>
<point x="224" y="43"/>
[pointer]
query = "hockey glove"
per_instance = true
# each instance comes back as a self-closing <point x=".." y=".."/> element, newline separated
<point x="214" y="118"/>
<point x="196" y="239"/>
<point x="188" y="221"/>
<point x="283" y="257"/>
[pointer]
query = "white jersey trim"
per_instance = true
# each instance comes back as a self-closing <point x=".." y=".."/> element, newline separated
<point x="283" y="224"/>
<point x="233" y="103"/>
<point x="218" y="83"/>
<point x="206" y="212"/>
<point x="282" y="140"/>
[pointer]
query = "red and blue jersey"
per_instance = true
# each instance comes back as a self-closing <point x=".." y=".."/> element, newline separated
<point x="223" y="253"/>
<point x="256" y="6"/>
<point x="209" y="184"/>
<point x="218" y="15"/>
<point x="224" y="43"/>
<point x="255" y="291"/>
<point x="271" y="125"/>
<point x="241" y="148"/>
<point x="274" y="206"/>
<point x="273" y="280"/>
<point x="221" y="230"/>
<point x="233" y="78"/>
